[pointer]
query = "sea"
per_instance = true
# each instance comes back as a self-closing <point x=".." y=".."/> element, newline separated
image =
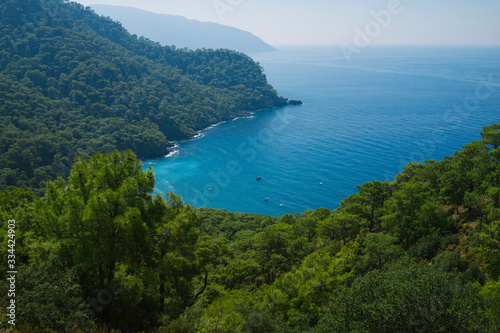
<point x="363" y="118"/>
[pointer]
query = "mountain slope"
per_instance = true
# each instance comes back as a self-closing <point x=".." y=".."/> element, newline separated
<point x="417" y="254"/>
<point x="181" y="32"/>
<point x="73" y="83"/>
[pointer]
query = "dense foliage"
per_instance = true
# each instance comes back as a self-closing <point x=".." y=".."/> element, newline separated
<point x="98" y="251"/>
<point x="73" y="83"/>
<point x="417" y="254"/>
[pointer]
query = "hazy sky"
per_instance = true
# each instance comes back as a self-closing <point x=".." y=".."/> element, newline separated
<point x="322" y="22"/>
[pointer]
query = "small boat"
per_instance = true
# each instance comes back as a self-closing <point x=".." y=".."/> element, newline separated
<point x="266" y="199"/>
<point x="259" y="178"/>
<point x="281" y="205"/>
<point x="321" y="183"/>
<point x="210" y="189"/>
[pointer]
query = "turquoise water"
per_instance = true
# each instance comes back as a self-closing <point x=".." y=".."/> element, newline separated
<point x="360" y="121"/>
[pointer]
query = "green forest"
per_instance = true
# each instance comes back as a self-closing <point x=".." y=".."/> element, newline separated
<point x="82" y="101"/>
<point x="73" y="83"/>
<point x="99" y="253"/>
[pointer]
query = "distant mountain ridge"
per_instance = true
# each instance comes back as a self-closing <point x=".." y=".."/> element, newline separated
<point x="73" y="83"/>
<point x="182" y="32"/>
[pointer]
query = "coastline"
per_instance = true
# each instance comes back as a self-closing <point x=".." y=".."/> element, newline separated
<point x="199" y="133"/>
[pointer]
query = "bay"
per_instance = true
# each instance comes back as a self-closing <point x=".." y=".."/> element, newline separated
<point x="361" y="120"/>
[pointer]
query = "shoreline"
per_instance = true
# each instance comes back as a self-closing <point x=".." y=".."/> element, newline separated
<point x="199" y="134"/>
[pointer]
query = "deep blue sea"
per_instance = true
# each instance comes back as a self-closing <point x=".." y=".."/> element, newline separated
<point x="361" y="120"/>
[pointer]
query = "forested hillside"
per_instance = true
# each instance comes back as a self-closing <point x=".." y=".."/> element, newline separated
<point x="183" y="32"/>
<point x="417" y="254"/>
<point x="73" y="83"/>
